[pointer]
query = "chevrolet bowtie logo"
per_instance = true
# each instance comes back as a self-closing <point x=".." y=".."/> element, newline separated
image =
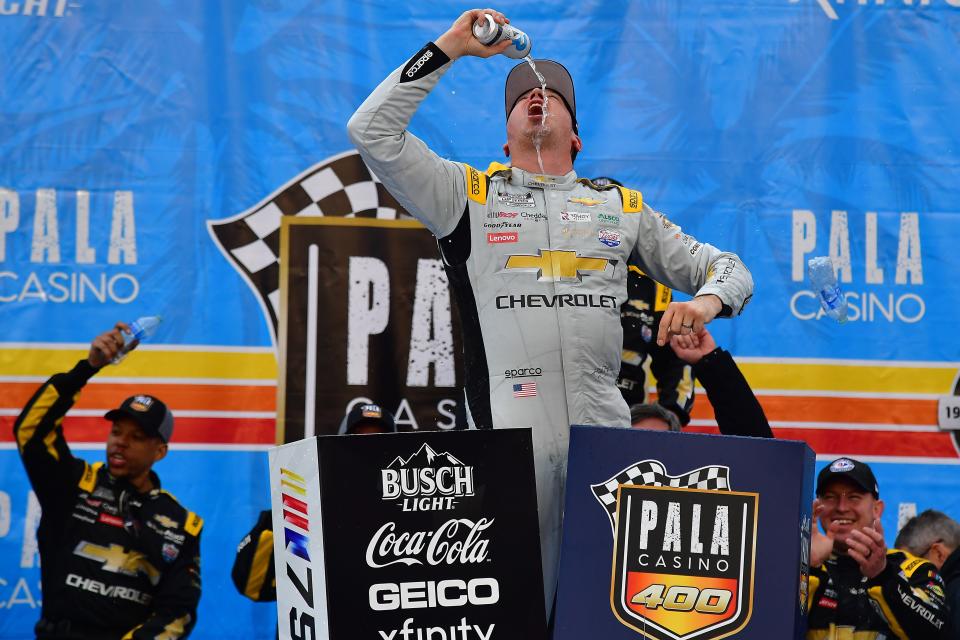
<point x="116" y="560"/>
<point x="558" y="265"/>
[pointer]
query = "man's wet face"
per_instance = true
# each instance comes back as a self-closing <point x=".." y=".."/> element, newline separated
<point x="526" y="118"/>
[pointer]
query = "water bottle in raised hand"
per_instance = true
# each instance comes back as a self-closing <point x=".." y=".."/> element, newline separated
<point x="140" y="329"/>
<point x="489" y="32"/>
<point x="823" y="280"/>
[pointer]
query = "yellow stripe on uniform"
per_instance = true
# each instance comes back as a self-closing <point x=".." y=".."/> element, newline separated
<point x="193" y="524"/>
<point x="662" y="297"/>
<point x="39" y="409"/>
<point x="129" y="634"/>
<point x="876" y="593"/>
<point x="476" y="183"/>
<point x="632" y="200"/>
<point x="812" y="585"/>
<point x="174" y="629"/>
<point x="89" y="478"/>
<point x="495" y="167"/>
<point x="261" y="562"/>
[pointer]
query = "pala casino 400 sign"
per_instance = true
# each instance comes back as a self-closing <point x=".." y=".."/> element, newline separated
<point x="683" y="561"/>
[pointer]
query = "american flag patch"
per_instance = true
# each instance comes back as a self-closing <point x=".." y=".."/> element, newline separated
<point x="525" y="390"/>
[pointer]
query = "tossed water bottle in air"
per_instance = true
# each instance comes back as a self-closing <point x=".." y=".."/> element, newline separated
<point x="489" y="32"/>
<point x="823" y="280"/>
<point x="140" y="329"/>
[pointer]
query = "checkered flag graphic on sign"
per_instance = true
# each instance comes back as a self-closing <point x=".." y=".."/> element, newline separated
<point x="652" y="473"/>
<point x="341" y="185"/>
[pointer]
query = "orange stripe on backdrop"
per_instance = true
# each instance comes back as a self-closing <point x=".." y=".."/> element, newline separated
<point x="186" y="430"/>
<point x="197" y="397"/>
<point x="820" y="409"/>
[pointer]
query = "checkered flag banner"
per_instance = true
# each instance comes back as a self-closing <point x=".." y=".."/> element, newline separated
<point x="341" y="185"/>
<point x="652" y="473"/>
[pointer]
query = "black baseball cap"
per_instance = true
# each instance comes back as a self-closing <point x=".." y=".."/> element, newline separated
<point x="521" y="79"/>
<point x="367" y="414"/>
<point x="859" y="473"/>
<point x="149" y="412"/>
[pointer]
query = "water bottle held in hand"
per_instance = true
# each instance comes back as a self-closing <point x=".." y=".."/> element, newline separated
<point x="489" y="32"/>
<point x="140" y="329"/>
<point x="823" y="280"/>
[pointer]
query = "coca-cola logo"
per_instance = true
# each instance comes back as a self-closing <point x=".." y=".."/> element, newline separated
<point x="457" y="541"/>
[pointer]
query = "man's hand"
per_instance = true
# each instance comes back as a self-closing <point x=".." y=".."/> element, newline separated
<point x="106" y="346"/>
<point x="868" y="548"/>
<point x="821" y="544"/>
<point x="688" y="318"/>
<point x="458" y="41"/>
<point x="703" y="344"/>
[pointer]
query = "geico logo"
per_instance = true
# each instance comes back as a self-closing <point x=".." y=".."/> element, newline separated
<point x="425" y="481"/>
<point x="523" y="373"/>
<point x="419" y="63"/>
<point x="389" y="596"/>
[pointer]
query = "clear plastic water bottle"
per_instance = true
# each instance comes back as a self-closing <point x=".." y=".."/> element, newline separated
<point x="489" y="32"/>
<point x="823" y="279"/>
<point x="140" y="329"/>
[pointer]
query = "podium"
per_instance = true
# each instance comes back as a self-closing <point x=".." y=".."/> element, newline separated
<point x="675" y="536"/>
<point x="407" y="536"/>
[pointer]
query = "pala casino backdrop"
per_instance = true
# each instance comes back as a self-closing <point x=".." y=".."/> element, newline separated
<point x="135" y="136"/>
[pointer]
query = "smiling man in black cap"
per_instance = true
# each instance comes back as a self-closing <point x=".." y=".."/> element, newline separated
<point x="858" y="587"/>
<point x="120" y="557"/>
<point x="537" y="257"/>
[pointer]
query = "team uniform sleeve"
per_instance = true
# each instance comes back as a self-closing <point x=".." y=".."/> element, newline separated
<point x="38" y="432"/>
<point x="254" y="573"/>
<point x="674" y="381"/>
<point x="911" y="595"/>
<point x="429" y="187"/>
<point x="735" y="406"/>
<point x="175" y="602"/>
<point x="682" y="262"/>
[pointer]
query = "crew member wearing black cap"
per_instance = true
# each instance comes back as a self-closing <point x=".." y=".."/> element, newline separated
<point x="254" y="573"/>
<point x="858" y="587"/>
<point x="119" y="556"/>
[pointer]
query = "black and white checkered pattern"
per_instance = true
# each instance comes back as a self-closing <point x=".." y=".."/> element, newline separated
<point x="652" y="473"/>
<point x="341" y="185"/>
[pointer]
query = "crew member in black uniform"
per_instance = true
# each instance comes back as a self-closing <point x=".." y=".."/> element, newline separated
<point x="858" y="587"/>
<point x="640" y="316"/>
<point x="120" y="557"/>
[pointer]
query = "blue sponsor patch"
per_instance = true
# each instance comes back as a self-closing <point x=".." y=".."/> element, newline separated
<point x="609" y="237"/>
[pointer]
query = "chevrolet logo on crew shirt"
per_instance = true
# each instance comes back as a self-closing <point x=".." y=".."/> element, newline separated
<point x="116" y="560"/>
<point x="558" y="266"/>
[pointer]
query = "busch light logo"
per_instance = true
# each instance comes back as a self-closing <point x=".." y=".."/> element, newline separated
<point x="426" y="481"/>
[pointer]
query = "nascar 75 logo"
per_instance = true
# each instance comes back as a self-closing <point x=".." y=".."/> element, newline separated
<point x="683" y="561"/>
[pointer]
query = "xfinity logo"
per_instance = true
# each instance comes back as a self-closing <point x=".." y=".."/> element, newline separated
<point x="412" y="71"/>
<point x="829" y="6"/>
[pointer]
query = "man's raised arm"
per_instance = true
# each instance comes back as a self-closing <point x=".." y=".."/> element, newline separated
<point x="431" y="188"/>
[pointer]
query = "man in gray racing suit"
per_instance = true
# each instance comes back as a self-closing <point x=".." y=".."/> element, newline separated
<point x="537" y="259"/>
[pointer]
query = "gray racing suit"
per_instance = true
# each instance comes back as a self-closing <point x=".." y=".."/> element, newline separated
<point x="538" y="265"/>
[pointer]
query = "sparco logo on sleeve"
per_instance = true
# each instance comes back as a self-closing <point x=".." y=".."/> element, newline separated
<point x="412" y="71"/>
<point x="684" y="551"/>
